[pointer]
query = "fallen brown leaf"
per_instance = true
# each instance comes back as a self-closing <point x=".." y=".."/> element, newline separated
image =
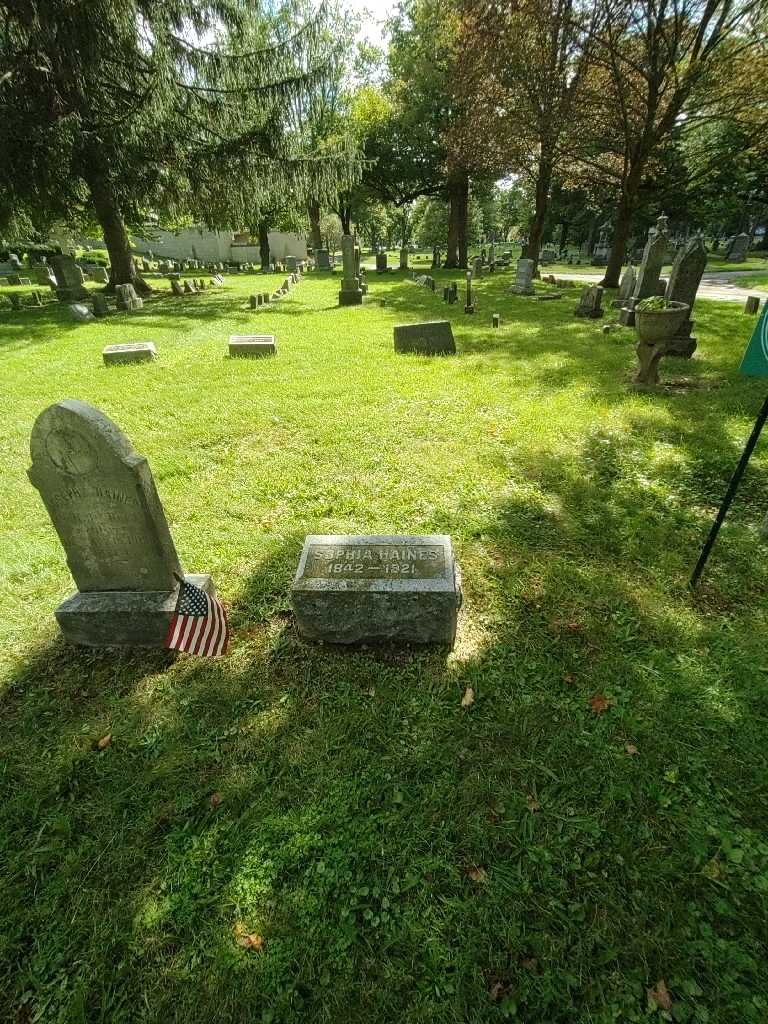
<point x="477" y="874"/>
<point x="599" y="703"/>
<point x="497" y="991"/>
<point x="631" y="749"/>
<point x="568" y="678"/>
<point x="104" y="742"/>
<point x="469" y="698"/>
<point x="533" y="803"/>
<point x="215" y="800"/>
<point x="660" y="995"/>
<point x="247" y="940"/>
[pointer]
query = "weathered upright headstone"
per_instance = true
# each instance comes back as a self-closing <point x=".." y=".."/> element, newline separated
<point x="100" y="304"/>
<point x="176" y="286"/>
<point x="102" y="501"/>
<point x="737" y="249"/>
<point x="626" y="287"/>
<point x="752" y="305"/>
<point x="524" y="279"/>
<point x="126" y="298"/>
<point x="69" y="279"/>
<point x="381" y="262"/>
<point x="100" y="275"/>
<point x="591" y="303"/>
<point x="322" y="259"/>
<point x="469" y="305"/>
<point x="434" y="337"/>
<point x="649" y="271"/>
<point x="351" y="590"/>
<point x="683" y="284"/>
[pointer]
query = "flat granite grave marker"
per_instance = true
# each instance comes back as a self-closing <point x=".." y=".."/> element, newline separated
<point x="130" y="352"/>
<point x="435" y="337"/>
<point x="253" y="345"/>
<point x="102" y="501"/>
<point x="352" y="590"/>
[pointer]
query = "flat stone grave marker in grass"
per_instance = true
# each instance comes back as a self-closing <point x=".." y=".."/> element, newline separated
<point x="252" y="345"/>
<point x="434" y="337"/>
<point x="368" y="589"/>
<point x="130" y="352"/>
<point x="81" y="312"/>
<point x="102" y="501"/>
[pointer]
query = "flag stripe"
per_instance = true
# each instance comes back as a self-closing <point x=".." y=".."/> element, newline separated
<point x="199" y="624"/>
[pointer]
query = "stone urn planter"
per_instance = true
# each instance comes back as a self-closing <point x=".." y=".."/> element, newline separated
<point x="657" y="325"/>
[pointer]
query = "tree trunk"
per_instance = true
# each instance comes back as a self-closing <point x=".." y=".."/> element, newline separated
<point x="264" y="244"/>
<point x="536" y="230"/>
<point x="313" y="211"/>
<point x="458" y="199"/>
<point x="122" y="268"/>
<point x="621" y="230"/>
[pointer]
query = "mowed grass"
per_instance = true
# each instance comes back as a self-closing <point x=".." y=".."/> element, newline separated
<point x="399" y="857"/>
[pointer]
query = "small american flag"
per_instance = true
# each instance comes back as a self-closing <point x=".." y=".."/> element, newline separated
<point x="199" y="624"/>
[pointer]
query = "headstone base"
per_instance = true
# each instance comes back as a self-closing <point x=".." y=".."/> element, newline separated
<point x="122" y="618"/>
<point x="627" y="317"/>
<point x="682" y="348"/>
<point x="351" y="298"/>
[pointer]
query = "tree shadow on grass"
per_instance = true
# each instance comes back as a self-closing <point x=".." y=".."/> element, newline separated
<point x="357" y="801"/>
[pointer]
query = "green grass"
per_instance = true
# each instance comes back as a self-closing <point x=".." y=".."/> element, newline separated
<point x="403" y="858"/>
<point x="753" y="281"/>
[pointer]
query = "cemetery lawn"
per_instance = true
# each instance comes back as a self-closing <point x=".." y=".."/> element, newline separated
<point x="298" y="833"/>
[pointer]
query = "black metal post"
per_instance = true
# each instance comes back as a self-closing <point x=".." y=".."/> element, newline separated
<point x="762" y="416"/>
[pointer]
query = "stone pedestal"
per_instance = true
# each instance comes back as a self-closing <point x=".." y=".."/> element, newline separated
<point x="351" y="590"/>
<point x="128" y="618"/>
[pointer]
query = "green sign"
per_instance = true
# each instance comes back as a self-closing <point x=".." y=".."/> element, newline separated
<point x="755" y="361"/>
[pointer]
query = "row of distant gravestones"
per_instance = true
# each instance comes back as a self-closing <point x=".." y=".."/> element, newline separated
<point x="102" y="501"/>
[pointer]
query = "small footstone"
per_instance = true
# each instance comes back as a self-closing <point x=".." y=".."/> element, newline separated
<point x="432" y="338"/>
<point x="496" y="320"/>
<point x="131" y="352"/>
<point x="254" y="301"/>
<point x="253" y="345"/>
<point x="752" y="304"/>
<point x="351" y="590"/>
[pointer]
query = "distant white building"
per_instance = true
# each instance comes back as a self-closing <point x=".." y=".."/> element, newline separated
<point x="218" y="246"/>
